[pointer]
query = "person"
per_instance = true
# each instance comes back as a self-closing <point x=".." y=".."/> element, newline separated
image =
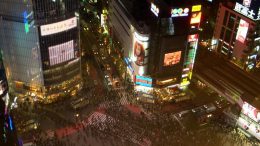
<point x="139" y="53"/>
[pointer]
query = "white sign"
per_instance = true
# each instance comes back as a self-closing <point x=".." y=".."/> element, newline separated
<point x="247" y="12"/>
<point x="154" y="9"/>
<point x="61" y="53"/>
<point x="251" y="112"/>
<point x="178" y="12"/>
<point x="242" y="31"/>
<point x="58" y="26"/>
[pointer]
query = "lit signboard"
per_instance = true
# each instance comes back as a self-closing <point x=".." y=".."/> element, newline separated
<point x="143" y="81"/>
<point x="248" y="8"/>
<point x="129" y="64"/>
<point x="61" y="53"/>
<point x="242" y="31"/>
<point x="172" y="58"/>
<point x="58" y="26"/>
<point x="251" y="112"/>
<point x="155" y="9"/>
<point x="178" y="12"/>
<point x="193" y="37"/>
<point x="247" y="3"/>
<point x="196" y="8"/>
<point x="195" y="18"/>
<point x="140" y="44"/>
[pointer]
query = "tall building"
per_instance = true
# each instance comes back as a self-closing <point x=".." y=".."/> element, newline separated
<point x="40" y="44"/>
<point x="237" y="33"/>
<point x="159" y="40"/>
<point x="8" y="135"/>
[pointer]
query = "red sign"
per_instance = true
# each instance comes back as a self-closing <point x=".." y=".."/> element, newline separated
<point x="193" y="38"/>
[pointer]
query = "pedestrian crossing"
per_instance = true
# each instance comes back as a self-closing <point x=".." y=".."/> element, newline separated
<point x="124" y="101"/>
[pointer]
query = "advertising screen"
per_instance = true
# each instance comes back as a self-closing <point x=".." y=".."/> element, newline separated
<point x="251" y="112"/>
<point x="172" y="58"/>
<point x="61" y="53"/>
<point x="242" y="31"/>
<point x="58" y="26"/>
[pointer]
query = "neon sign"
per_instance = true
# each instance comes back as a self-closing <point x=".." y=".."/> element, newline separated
<point x="143" y="81"/>
<point x="25" y="21"/>
<point x="178" y="12"/>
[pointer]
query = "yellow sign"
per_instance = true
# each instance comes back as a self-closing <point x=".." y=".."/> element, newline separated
<point x="196" y="8"/>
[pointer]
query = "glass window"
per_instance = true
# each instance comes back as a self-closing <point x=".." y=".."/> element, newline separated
<point x="225" y="18"/>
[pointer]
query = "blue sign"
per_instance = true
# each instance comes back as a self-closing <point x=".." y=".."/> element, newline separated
<point x="144" y="81"/>
<point x="129" y="64"/>
<point x="25" y="20"/>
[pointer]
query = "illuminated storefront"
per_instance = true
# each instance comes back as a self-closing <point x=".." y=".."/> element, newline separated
<point x="249" y="120"/>
<point x="156" y="51"/>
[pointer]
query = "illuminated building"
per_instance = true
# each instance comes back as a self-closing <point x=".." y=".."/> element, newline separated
<point x="8" y="136"/>
<point x="159" y="40"/>
<point x="237" y="35"/>
<point x="40" y="43"/>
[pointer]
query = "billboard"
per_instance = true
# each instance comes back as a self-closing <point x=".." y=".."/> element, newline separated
<point x="58" y="26"/>
<point x="195" y="18"/>
<point x="139" y="53"/>
<point x="251" y="112"/>
<point x="248" y="8"/>
<point x="196" y="8"/>
<point x="193" y="37"/>
<point x="143" y="81"/>
<point x="172" y="58"/>
<point x="61" y="53"/>
<point x="178" y="12"/>
<point x="242" y="31"/>
<point x="139" y="48"/>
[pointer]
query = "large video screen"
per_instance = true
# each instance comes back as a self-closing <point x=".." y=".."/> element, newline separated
<point x="172" y="58"/>
<point x="251" y="112"/>
<point x="61" y="53"/>
<point x="242" y="31"/>
<point x="58" y="26"/>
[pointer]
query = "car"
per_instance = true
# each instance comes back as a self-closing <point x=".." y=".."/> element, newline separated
<point x="183" y="113"/>
<point x="210" y="107"/>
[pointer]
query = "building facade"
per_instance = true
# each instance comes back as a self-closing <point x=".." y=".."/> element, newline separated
<point x="159" y="40"/>
<point x="40" y="44"/>
<point x="236" y="35"/>
<point x="8" y="135"/>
